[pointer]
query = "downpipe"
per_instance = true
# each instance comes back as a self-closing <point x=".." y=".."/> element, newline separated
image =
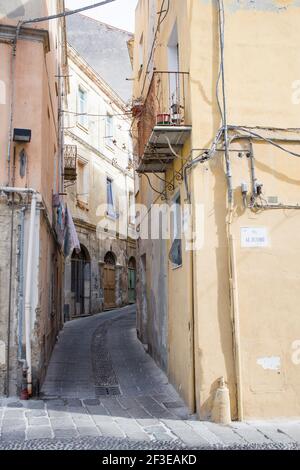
<point x="28" y="291"/>
<point x="235" y="313"/>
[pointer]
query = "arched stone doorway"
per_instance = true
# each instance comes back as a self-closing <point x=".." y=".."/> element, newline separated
<point x="81" y="282"/>
<point x="109" y="281"/>
<point x="132" y="281"/>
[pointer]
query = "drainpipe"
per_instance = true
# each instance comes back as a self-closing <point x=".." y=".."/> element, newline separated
<point x="29" y="269"/>
<point x="21" y="287"/>
<point x="28" y="291"/>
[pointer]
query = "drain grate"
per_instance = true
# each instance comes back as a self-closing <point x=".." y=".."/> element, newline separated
<point x="107" y="391"/>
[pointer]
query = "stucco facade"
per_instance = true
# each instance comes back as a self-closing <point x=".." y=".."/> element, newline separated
<point x="103" y="158"/>
<point x="231" y="306"/>
<point x="30" y="94"/>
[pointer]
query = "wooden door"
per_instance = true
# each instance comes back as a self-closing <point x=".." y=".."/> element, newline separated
<point x="131" y="285"/>
<point x="109" y="286"/>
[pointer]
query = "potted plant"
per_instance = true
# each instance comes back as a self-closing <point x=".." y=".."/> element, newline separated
<point x="163" y="119"/>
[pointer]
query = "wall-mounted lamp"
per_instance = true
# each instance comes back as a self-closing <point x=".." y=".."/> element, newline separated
<point x="22" y="135"/>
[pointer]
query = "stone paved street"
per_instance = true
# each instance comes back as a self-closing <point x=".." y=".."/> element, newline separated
<point x="103" y="391"/>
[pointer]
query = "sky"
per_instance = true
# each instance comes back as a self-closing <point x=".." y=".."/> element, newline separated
<point x="119" y="13"/>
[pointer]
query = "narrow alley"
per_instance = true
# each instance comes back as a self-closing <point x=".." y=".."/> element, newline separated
<point x="102" y="390"/>
<point x="149" y="205"/>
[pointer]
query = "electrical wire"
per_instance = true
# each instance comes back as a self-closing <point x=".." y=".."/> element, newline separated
<point x="270" y="141"/>
<point x="66" y="13"/>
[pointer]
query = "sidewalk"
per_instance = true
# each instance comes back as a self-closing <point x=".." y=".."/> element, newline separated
<point x="102" y="391"/>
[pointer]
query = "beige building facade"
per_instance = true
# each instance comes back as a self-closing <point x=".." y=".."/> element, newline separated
<point x="97" y="131"/>
<point x="216" y="120"/>
<point x="33" y="58"/>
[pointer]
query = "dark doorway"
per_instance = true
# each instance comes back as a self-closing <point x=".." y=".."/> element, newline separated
<point x="81" y="282"/>
<point x="132" y="281"/>
<point x="109" y="281"/>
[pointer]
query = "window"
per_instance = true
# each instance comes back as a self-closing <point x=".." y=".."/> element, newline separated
<point x="109" y="130"/>
<point x="110" y="198"/>
<point x="175" y="255"/>
<point x="82" y="182"/>
<point x="82" y="108"/>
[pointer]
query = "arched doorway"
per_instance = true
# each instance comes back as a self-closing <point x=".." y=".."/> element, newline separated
<point x="132" y="281"/>
<point x="81" y="281"/>
<point x="109" y="281"/>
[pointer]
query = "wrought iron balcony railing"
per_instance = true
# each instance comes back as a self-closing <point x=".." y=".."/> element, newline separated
<point x="163" y="120"/>
<point x="70" y="162"/>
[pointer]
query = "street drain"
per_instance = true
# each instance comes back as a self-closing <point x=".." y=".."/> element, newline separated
<point x="107" y="391"/>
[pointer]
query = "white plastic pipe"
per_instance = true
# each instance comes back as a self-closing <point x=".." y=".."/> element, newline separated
<point x="28" y="292"/>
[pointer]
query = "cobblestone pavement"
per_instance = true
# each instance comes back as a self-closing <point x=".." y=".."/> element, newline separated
<point x="102" y="391"/>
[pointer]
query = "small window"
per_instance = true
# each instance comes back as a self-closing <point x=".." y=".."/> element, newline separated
<point x="175" y="254"/>
<point x="82" y="108"/>
<point x="82" y="182"/>
<point x="109" y="130"/>
<point x="110" y="198"/>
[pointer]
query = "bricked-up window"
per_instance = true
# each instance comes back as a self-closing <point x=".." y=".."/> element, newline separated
<point x="175" y="255"/>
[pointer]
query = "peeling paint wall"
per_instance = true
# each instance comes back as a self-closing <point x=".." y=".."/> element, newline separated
<point x="36" y="103"/>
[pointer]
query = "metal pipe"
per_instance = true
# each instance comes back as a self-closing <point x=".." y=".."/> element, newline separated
<point x="253" y="175"/>
<point x="193" y="322"/>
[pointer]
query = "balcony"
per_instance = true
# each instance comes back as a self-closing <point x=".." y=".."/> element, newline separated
<point x="163" y="125"/>
<point x="70" y="162"/>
